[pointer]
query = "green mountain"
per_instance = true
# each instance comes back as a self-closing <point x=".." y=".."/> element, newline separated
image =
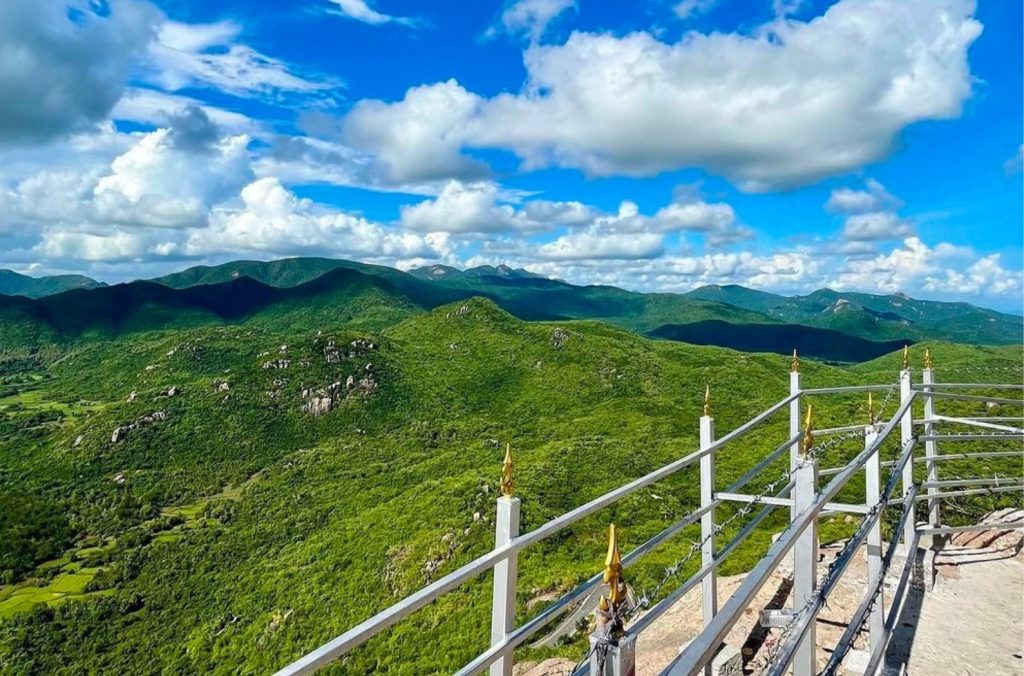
<point x="223" y="498"/>
<point x="740" y="296"/>
<point x="15" y="284"/>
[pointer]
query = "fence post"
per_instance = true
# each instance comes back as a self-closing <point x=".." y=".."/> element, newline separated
<point x="873" y="493"/>
<point x="805" y="551"/>
<point x="930" y="446"/>
<point x="613" y="652"/>
<point x="503" y="603"/>
<point x="707" y="520"/>
<point x="794" y="418"/>
<point x="906" y="433"/>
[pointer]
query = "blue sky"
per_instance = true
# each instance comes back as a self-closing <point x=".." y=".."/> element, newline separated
<point x="870" y="145"/>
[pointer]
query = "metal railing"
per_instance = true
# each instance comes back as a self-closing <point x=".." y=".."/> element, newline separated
<point x="613" y="650"/>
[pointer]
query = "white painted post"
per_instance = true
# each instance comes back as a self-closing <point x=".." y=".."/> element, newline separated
<point x="707" y="520"/>
<point x="503" y="603"/>
<point x="794" y="416"/>
<point x="805" y="563"/>
<point x="906" y="433"/>
<point x="873" y="492"/>
<point x="931" y="447"/>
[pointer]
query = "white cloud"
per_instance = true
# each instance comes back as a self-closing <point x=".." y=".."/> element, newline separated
<point x="360" y="10"/>
<point x="592" y="244"/>
<point x="873" y="198"/>
<point x="61" y="74"/>
<point x="464" y="208"/>
<point x="875" y="225"/>
<point x="784" y="107"/>
<point x="152" y="106"/>
<point x="531" y="17"/>
<point x="916" y="266"/>
<point x="274" y="220"/>
<point x="417" y="139"/>
<point x="188" y="55"/>
<point x="688" y="8"/>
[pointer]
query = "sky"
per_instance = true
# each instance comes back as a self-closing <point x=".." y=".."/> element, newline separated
<point x="656" y="145"/>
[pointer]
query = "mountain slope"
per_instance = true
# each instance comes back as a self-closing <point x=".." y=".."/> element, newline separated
<point x="15" y="284"/>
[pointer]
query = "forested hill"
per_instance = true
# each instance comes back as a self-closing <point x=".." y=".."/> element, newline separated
<point x="299" y="289"/>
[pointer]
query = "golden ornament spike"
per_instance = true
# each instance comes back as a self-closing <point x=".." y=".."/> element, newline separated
<point x="928" y="363"/>
<point x="613" y="569"/>
<point x="906" y="357"/>
<point x="794" y="366"/>
<point x="871" y="408"/>
<point x="506" y="472"/>
<point x="603" y="604"/>
<point x="808" y="441"/>
<point x="707" y="401"/>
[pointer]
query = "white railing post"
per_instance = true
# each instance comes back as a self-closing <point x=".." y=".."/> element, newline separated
<point x="503" y="601"/>
<point x="906" y="433"/>
<point x="873" y="493"/>
<point x="707" y="520"/>
<point x="794" y="413"/>
<point x="930" y="446"/>
<point x="805" y="552"/>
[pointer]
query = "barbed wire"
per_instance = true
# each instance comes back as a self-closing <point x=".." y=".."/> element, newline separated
<point x="838" y="439"/>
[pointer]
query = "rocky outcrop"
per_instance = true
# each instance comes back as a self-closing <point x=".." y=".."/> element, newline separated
<point x="121" y="433"/>
<point x="276" y="364"/>
<point x="559" y="337"/>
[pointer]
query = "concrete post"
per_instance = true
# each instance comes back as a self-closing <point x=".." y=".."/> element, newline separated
<point x="503" y="603"/>
<point x="805" y="563"/>
<point x="707" y="520"/>
<point x="873" y="492"/>
<point x="906" y="433"/>
<point x="931" y="448"/>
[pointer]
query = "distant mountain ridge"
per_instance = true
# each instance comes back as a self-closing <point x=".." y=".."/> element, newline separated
<point x="320" y="290"/>
<point x="16" y="284"/>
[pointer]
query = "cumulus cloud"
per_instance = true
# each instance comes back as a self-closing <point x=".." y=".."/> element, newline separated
<point x="274" y="220"/>
<point x="874" y="197"/>
<point x="786" y="106"/>
<point x="360" y="10"/>
<point x="463" y="208"/>
<point x="875" y="226"/>
<point x="63" y="64"/>
<point x="870" y="215"/>
<point x="210" y="55"/>
<point x="530" y="18"/>
<point x="592" y="244"/>
<point x="418" y="138"/>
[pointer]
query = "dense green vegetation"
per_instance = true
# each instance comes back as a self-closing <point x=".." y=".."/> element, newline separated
<point x="172" y="504"/>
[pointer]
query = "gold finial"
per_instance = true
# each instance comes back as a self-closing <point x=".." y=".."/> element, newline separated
<point x="871" y="408"/>
<point x="613" y="570"/>
<point x="928" y="363"/>
<point x="794" y="366"/>
<point x="906" y="357"/>
<point x="808" y="441"/>
<point x="506" y="472"/>
<point x="707" y="401"/>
